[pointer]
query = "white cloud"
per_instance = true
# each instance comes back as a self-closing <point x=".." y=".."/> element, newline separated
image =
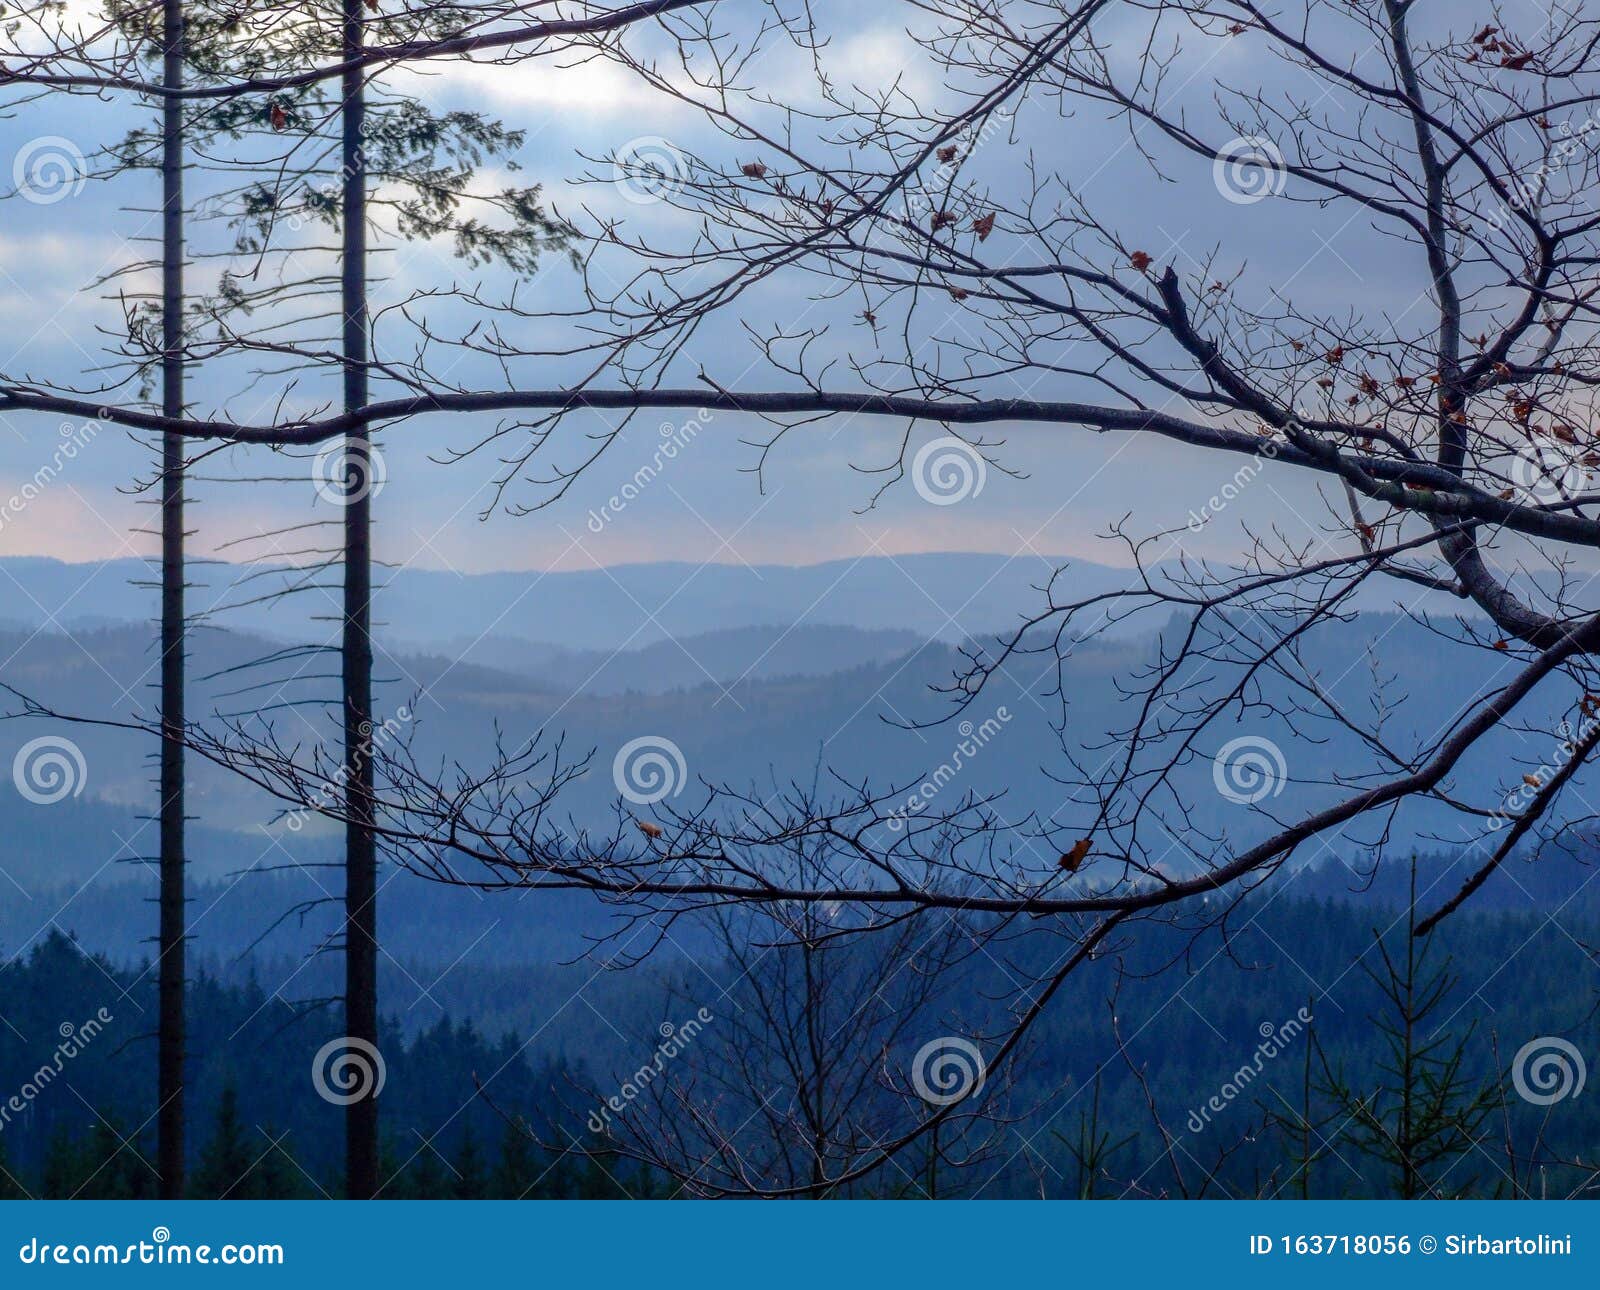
<point x="568" y="94"/>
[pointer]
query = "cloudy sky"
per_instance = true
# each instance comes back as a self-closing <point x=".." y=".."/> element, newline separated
<point x="1059" y="491"/>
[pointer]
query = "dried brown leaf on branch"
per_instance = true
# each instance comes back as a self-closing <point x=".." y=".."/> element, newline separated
<point x="1072" y="859"/>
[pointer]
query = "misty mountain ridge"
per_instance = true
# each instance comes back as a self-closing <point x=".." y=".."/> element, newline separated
<point x="497" y="618"/>
<point x="927" y="596"/>
<point x="867" y="709"/>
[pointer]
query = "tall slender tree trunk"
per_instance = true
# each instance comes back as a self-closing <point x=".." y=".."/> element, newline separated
<point x="361" y="862"/>
<point x="171" y="935"/>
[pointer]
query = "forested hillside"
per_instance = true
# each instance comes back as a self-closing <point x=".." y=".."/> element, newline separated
<point x="1188" y="1020"/>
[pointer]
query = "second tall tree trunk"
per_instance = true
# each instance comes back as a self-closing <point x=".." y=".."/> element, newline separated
<point x="361" y="865"/>
<point x="172" y="931"/>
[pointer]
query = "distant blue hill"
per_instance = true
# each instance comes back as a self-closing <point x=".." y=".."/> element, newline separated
<point x="937" y="596"/>
<point x="760" y="716"/>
